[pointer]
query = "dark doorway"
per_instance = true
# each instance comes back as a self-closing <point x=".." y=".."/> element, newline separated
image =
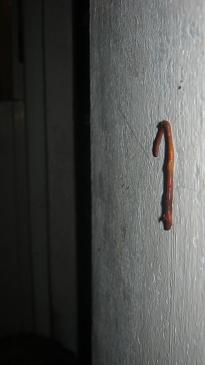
<point x="82" y="138"/>
<point x="45" y="184"/>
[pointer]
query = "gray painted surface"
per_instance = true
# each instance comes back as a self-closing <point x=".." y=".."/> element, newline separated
<point x="147" y="64"/>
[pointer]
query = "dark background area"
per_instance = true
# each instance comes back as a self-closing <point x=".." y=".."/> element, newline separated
<point x="5" y="51"/>
<point x="82" y="164"/>
<point x="45" y="196"/>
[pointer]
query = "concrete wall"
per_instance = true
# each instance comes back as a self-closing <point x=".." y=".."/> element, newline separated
<point x="147" y="65"/>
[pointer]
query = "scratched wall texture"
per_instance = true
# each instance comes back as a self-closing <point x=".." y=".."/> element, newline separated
<point x="147" y="64"/>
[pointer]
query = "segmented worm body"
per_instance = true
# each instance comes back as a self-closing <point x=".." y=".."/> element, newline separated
<point x="165" y="128"/>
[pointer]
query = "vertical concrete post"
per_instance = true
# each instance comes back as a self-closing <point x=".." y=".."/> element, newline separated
<point x="147" y="65"/>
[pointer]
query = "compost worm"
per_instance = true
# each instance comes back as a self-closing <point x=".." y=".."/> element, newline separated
<point x="165" y="128"/>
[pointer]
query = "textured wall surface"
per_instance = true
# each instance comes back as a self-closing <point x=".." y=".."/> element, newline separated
<point x="147" y="64"/>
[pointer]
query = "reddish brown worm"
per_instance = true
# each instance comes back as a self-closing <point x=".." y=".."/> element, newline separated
<point x="165" y="128"/>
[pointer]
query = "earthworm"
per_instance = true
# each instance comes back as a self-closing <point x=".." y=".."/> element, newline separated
<point x="165" y="128"/>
